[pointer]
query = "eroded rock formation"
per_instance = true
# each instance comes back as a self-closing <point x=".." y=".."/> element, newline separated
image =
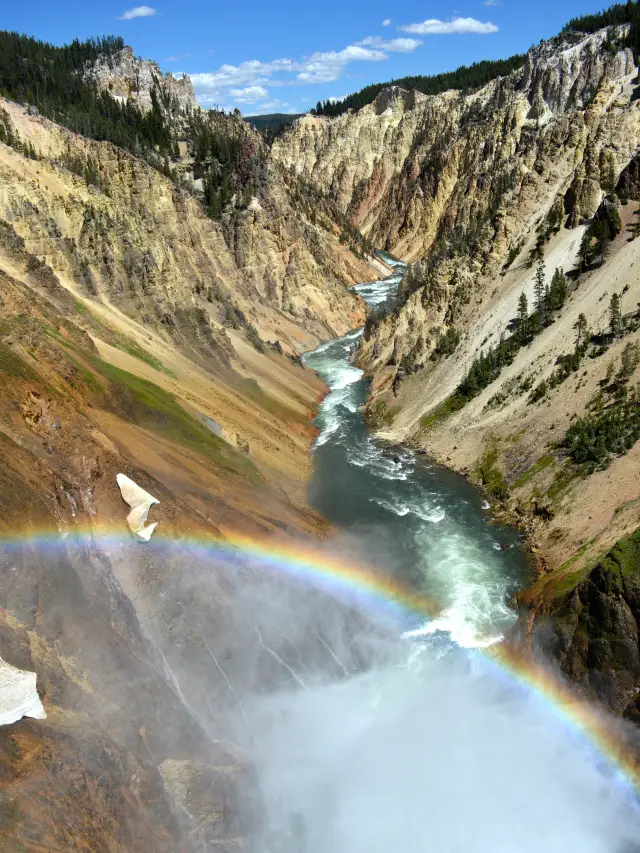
<point x="18" y="695"/>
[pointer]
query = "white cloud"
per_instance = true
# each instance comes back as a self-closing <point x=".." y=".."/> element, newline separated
<point x="325" y="67"/>
<point x="222" y="85"/>
<point x="138" y="12"/>
<point x="386" y="22"/>
<point x="433" y="26"/>
<point x="249" y="72"/>
<point x="249" y="95"/>
<point x="398" y="45"/>
<point x="492" y="3"/>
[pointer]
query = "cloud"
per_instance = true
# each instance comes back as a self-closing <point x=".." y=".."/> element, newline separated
<point x="320" y="67"/>
<point x="386" y="22"/>
<point x="249" y="95"/>
<point x="433" y="26"/>
<point x="138" y="12"/>
<point x="492" y="3"/>
<point x="222" y="85"/>
<point x="398" y="45"/>
<point x="325" y="67"/>
<point x="178" y="57"/>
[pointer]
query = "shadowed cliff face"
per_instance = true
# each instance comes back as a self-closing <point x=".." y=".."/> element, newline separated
<point x="589" y="622"/>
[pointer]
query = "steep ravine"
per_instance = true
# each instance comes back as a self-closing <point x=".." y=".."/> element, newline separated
<point x="479" y="189"/>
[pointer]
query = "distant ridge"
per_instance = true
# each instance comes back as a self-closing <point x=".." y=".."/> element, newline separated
<point x="271" y="120"/>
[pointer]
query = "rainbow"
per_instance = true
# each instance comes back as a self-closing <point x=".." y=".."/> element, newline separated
<point x="357" y="584"/>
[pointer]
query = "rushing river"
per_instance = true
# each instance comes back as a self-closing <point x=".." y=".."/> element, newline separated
<point x="422" y="522"/>
<point x="431" y="747"/>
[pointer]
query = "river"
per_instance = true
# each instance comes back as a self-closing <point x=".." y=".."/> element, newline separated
<point x="413" y="518"/>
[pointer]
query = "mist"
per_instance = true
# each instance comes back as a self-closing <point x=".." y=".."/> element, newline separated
<point x="430" y="753"/>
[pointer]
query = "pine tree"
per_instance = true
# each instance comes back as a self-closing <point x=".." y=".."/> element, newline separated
<point x="615" y="316"/>
<point x="603" y="237"/>
<point x="539" y="291"/>
<point x="523" y="317"/>
<point x="586" y="252"/>
<point x="581" y="331"/>
<point x="558" y="289"/>
<point x="629" y="360"/>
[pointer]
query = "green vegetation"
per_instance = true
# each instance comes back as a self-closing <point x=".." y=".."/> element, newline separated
<point x="447" y="343"/>
<point x="550" y="225"/>
<point x="224" y="160"/>
<point x="12" y="365"/>
<point x="132" y="348"/>
<point x="10" y="137"/>
<point x="488" y="366"/>
<point x="620" y="13"/>
<point x="596" y="239"/>
<point x="85" y="166"/>
<point x="491" y="476"/>
<point x="51" y="79"/>
<point x="379" y="415"/>
<point x="452" y="404"/>
<point x="272" y="120"/>
<point x="625" y="555"/>
<point x="468" y="78"/>
<point x="145" y="404"/>
<point x="610" y="429"/>
<point x="273" y="125"/>
<point x="253" y="390"/>
<point x="465" y="78"/>
<point x="562" y="480"/>
<point x="118" y="340"/>
<point x="538" y="466"/>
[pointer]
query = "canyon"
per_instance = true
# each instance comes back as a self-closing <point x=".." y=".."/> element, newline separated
<point x="144" y="334"/>
<point x="479" y="190"/>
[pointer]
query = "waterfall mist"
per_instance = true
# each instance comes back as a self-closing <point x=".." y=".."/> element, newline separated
<point x="429" y="750"/>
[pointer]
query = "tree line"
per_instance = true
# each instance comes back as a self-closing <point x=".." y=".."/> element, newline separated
<point x="465" y="78"/>
<point x="619" y="13"/>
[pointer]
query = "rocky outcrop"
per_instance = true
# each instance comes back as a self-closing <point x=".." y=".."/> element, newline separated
<point x="18" y="695"/>
<point x="478" y="189"/>
<point x="129" y="78"/>
<point x="140" y="502"/>
<point x="129" y="758"/>
<point x="556" y="134"/>
<point x="589" y="622"/>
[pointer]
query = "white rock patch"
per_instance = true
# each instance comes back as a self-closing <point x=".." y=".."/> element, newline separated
<point x="18" y="695"/>
<point x="140" y="503"/>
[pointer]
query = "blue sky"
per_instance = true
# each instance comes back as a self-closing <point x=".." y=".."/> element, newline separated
<point x="284" y="56"/>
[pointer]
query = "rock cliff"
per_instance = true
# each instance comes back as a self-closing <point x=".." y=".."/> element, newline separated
<point x="127" y="77"/>
<point x="409" y="169"/>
